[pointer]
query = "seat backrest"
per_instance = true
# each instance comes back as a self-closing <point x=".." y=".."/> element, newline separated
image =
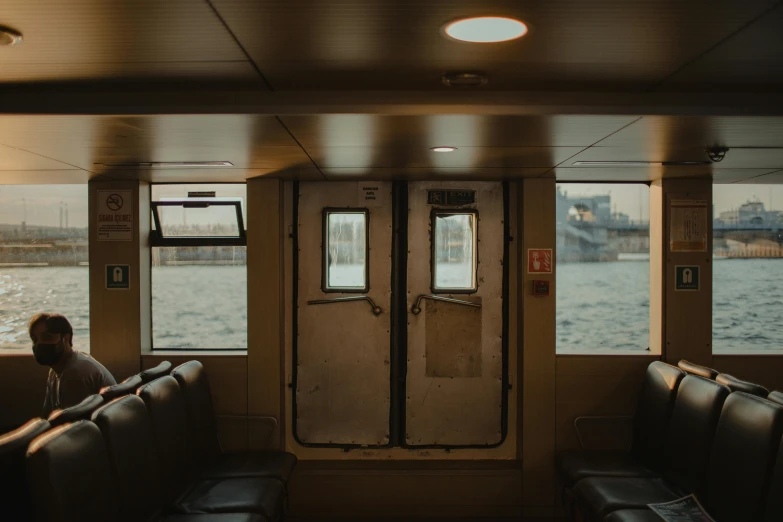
<point x="776" y="397"/>
<point x="127" y="433"/>
<point x="81" y="411"/>
<point x="773" y="512"/>
<point x="69" y="475"/>
<point x="695" y="369"/>
<point x="126" y="387"/>
<point x="691" y="431"/>
<point x="14" y="495"/>
<point x="743" y="452"/>
<point x="200" y="411"/>
<point x="156" y="372"/>
<point x="742" y="386"/>
<point x="653" y="412"/>
<point x="166" y="409"/>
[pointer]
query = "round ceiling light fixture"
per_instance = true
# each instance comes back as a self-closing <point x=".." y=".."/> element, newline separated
<point x="9" y="37"/>
<point x="443" y="149"/>
<point x="486" y="29"/>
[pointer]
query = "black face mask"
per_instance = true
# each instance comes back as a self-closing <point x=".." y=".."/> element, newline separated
<point x="48" y="354"/>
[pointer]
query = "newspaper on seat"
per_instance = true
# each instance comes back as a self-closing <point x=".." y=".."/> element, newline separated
<point x="685" y="509"/>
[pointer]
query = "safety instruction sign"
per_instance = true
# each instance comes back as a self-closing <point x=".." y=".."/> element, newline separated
<point x="115" y="215"/>
<point x="117" y="277"/>
<point x="539" y="260"/>
<point x="688" y="225"/>
<point x="370" y="195"/>
<point x="686" y="278"/>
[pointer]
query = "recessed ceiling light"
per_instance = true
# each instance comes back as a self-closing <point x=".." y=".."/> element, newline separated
<point x="464" y="80"/>
<point x="486" y="29"/>
<point x="170" y="164"/>
<point x="443" y="149"/>
<point x="9" y="37"/>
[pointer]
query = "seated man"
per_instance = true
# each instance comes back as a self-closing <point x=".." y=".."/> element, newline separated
<point x="73" y="375"/>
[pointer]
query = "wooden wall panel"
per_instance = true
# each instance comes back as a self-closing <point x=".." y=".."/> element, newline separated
<point x="537" y="316"/>
<point x="265" y="301"/>
<point x="117" y="316"/>
<point x="688" y="315"/>
<point x="766" y="370"/>
<point x="22" y="387"/>
<point x="596" y="385"/>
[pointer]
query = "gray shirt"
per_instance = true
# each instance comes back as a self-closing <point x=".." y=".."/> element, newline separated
<point x="81" y="377"/>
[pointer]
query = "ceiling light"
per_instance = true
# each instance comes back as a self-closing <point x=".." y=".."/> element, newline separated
<point x="486" y="29"/>
<point x="464" y="80"/>
<point x="443" y="149"/>
<point x="170" y="164"/>
<point x="9" y="36"/>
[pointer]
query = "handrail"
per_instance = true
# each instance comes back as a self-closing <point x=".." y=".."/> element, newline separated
<point x="416" y="308"/>
<point x="375" y="308"/>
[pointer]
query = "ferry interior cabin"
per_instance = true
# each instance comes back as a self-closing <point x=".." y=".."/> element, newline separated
<point x="391" y="260"/>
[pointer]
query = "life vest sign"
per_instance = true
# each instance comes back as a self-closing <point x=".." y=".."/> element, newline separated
<point x="686" y="277"/>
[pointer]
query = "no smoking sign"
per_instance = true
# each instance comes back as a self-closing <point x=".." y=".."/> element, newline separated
<point x="115" y="215"/>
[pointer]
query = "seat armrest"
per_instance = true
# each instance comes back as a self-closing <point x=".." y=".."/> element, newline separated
<point x="616" y="428"/>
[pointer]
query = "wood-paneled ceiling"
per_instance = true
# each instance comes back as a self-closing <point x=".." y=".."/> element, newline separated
<point x="344" y="49"/>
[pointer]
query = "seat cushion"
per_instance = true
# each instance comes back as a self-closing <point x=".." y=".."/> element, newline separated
<point x="274" y="464"/>
<point x="633" y="515"/>
<point x="597" y="497"/>
<point x="737" y="385"/>
<point x="695" y="369"/>
<point x="213" y="517"/>
<point x="263" y="496"/>
<point x="81" y="411"/>
<point x="574" y="466"/>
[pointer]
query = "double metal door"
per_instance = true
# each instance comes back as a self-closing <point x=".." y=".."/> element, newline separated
<point x="399" y="314"/>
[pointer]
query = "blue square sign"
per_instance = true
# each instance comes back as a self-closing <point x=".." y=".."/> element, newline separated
<point x="117" y="277"/>
<point x="686" y="278"/>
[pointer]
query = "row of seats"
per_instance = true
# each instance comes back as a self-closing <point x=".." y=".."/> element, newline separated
<point x="695" y="431"/>
<point x="149" y="453"/>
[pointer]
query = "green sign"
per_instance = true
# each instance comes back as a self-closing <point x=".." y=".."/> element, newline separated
<point x="686" y="278"/>
<point x="117" y="277"/>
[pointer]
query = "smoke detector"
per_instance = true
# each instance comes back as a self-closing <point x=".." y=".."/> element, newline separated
<point x="464" y="80"/>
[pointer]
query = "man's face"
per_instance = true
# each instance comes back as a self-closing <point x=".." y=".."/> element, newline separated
<point x="48" y="347"/>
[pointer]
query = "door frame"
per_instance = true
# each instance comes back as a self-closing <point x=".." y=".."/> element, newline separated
<point x="509" y="446"/>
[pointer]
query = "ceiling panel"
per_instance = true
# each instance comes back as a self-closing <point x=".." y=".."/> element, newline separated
<point x="99" y="39"/>
<point x="48" y="72"/>
<point x="678" y="132"/>
<point x="394" y="44"/>
<point x="753" y="58"/>
<point x="421" y="157"/>
<point x="16" y="159"/>
<point x="457" y="130"/>
<point x="771" y="178"/>
<point x="89" y="141"/>
<point x="210" y="175"/>
<point x="739" y="158"/>
<point x="447" y="174"/>
<point x="641" y="174"/>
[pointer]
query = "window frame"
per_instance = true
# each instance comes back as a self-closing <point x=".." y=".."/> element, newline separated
<point x="157" y="239"/>
<point x="325" y="212"/>
<point x="434" y="213"/>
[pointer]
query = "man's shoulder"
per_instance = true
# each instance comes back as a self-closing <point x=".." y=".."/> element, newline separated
<point x="82" y="363"/>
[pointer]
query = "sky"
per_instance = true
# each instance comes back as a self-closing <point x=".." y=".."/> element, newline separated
<point x="633" y="199"/>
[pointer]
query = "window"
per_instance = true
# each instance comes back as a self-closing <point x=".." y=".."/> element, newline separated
<point x="345" y="255"/>
<point x="602" y="267"/>
<point x="43" y="261"/>
<point x="199" y="267"/>
<point x="454" y="251"/>
<point x="747" y="292"/>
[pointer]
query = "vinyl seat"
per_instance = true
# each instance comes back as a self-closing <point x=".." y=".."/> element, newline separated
<point x="633" y="515"/>
<point x="156" y="372"/>
<point x="81" y="411"/>
<point x="737" y="385"/>
<point x="126" y="387"/>
<point x="695" y="369"/>
<point x="15" y="502"/>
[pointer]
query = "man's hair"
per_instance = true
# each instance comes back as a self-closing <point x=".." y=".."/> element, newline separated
<point x="55" y="323"/>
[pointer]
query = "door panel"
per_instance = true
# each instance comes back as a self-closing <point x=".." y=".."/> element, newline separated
<point x="343" y="348"/>
<point x="454" y="381"/>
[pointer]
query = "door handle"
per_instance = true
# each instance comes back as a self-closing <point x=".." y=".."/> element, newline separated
<point x="375" y="308"/>
<point x="416" y="308"/>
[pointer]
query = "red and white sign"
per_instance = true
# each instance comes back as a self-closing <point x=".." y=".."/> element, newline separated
<point x="539" y="260"/>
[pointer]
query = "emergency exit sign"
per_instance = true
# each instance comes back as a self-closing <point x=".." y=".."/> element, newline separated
<point x="686" y="277"/>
